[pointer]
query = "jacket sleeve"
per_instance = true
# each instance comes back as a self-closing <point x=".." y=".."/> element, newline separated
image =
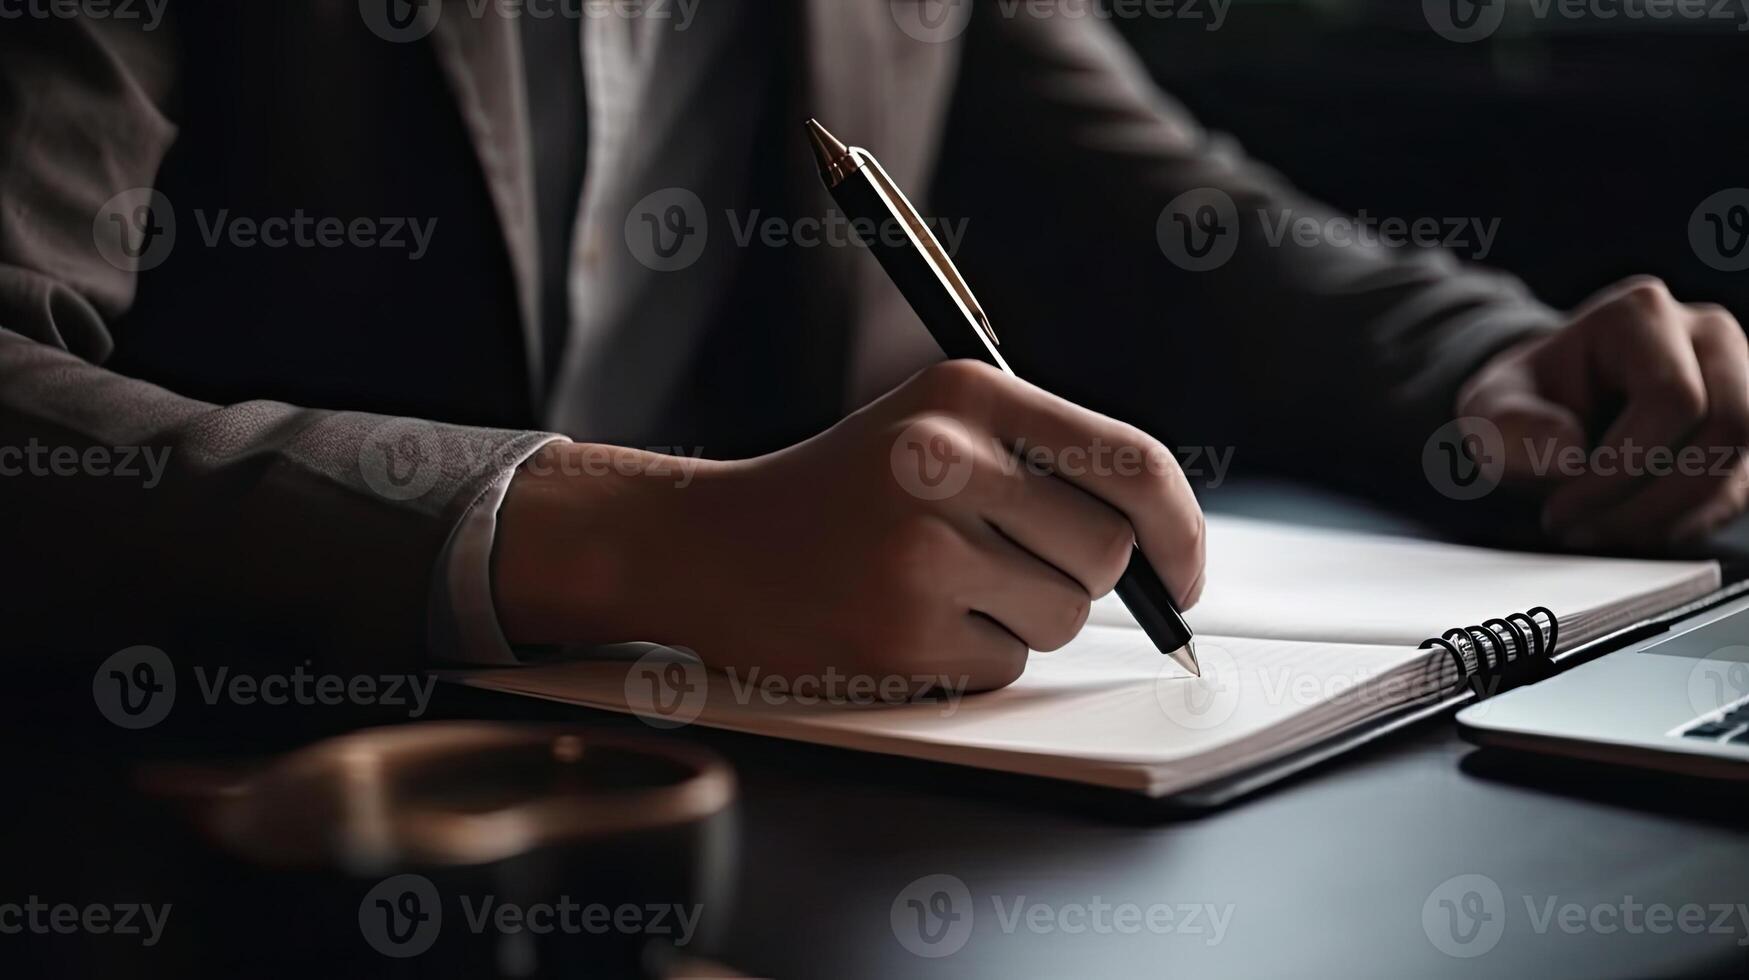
<point x="132" y="514"/>
<point x="1078" y="179"/>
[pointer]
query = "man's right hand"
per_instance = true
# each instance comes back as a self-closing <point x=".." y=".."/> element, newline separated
<point x="920" y="536"/>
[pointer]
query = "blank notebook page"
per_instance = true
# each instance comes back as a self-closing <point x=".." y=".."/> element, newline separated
<point x="1279" y="580"/>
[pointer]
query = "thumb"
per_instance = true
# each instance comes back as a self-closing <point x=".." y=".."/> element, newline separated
<point x="1536" y="440"/>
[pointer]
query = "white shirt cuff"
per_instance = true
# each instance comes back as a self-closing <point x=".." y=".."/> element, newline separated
<point x="463" y="622"/>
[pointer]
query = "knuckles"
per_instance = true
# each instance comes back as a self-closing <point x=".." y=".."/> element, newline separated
<point x="1712" y="313"/>
<point x="941" y="430"/>
<point x="959" y="387"/>
<point x="1646" y="293"/>
<point x="1719" y="330"/>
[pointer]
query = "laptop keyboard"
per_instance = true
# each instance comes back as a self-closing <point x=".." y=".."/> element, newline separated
<point x="1728" y="725"/>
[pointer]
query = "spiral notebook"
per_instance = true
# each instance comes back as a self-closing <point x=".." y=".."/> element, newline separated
<point x="1304" y="635"/>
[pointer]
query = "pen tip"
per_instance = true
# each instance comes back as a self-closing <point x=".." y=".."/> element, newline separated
<point x="1186" y="658"/>
<point x="828" y="149"/>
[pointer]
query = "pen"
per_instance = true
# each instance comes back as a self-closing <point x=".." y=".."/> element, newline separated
<point x="939" y="295"/>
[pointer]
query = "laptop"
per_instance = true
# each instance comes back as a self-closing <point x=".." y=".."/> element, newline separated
<point x="1676" y="701"/>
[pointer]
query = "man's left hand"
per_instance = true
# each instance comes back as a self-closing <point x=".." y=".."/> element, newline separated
<point x="1633" y="419"/>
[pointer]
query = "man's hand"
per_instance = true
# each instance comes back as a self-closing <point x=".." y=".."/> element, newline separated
<point x="1633" y="419"/>
<point x="907" y="540"/>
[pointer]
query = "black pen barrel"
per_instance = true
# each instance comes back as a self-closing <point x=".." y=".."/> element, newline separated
<point x="1148" y="600"/>
<point x="876" y="226"/>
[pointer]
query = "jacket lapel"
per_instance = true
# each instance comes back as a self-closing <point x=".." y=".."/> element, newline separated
<point x="481" y="57"/>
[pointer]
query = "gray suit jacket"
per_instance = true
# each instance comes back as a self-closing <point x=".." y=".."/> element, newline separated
<point x="270" y="374"/>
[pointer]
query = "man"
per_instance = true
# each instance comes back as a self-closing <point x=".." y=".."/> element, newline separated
<point x="400" y="258"/>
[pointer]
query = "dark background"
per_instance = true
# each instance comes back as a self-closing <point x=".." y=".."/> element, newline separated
<point x="1592" y="140"/>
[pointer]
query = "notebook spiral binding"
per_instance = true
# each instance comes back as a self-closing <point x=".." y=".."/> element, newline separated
<point x="1501" y="653"/>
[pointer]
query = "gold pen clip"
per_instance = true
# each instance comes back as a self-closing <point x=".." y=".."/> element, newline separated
<point x="932" y="249"/>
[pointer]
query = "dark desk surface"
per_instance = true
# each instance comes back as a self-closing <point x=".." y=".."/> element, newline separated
<point x="1328" y="874"/>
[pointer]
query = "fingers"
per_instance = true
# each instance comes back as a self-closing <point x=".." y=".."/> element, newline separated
<point x="1643" y="349"/>
<point x="1150" y="491"/>
<point x="1040" y="605"/>
<point x="1073" y="531"/>
<point x="1711" y="485"/>
<point x="929" y="576"/>
<point x="1669" y="463"/>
